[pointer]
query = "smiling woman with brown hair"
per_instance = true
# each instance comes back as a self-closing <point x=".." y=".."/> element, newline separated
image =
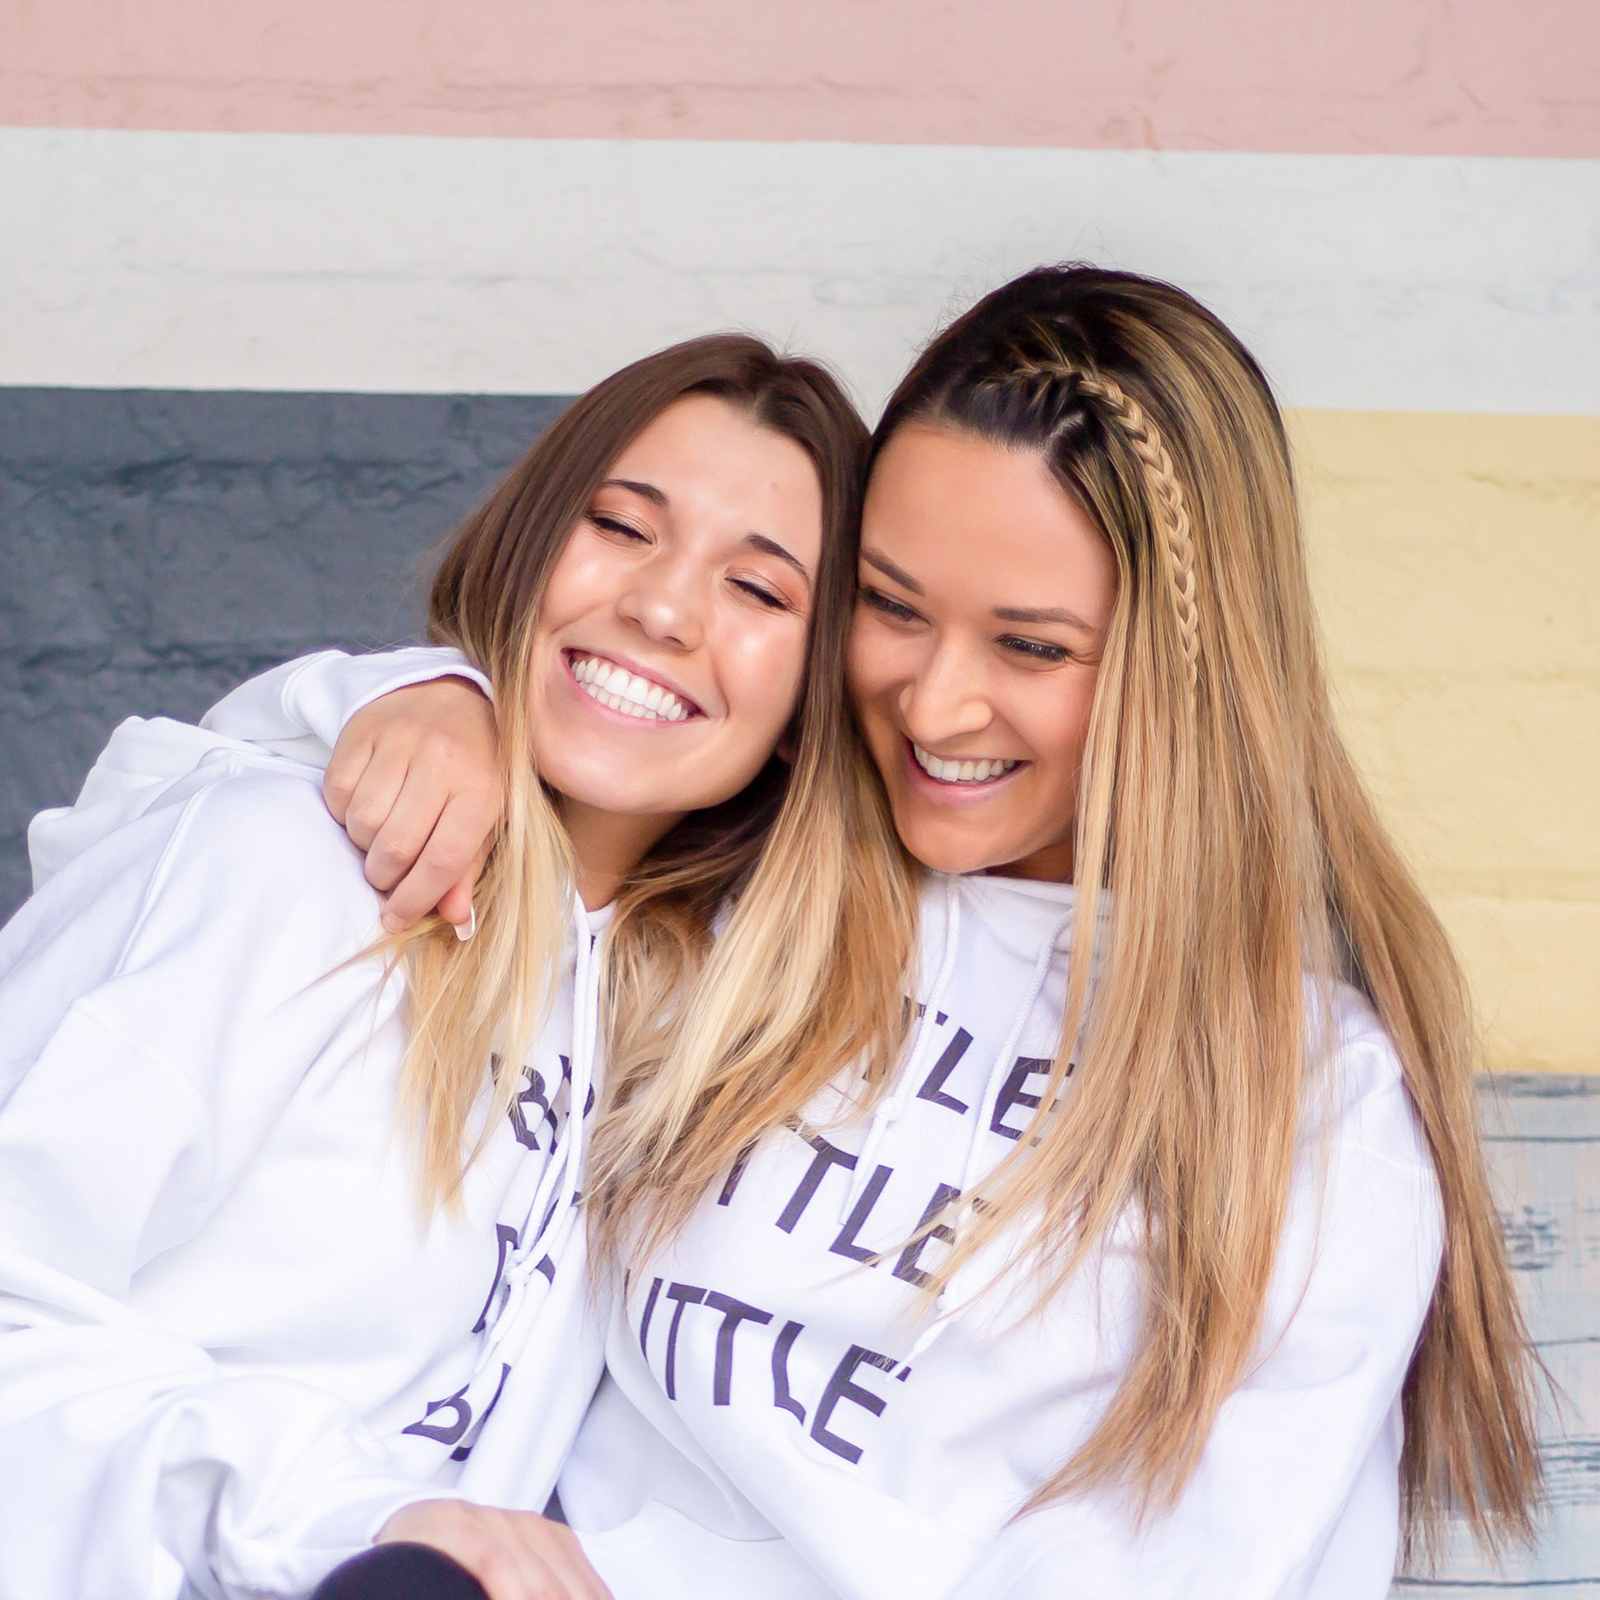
<point x="1161" y="1261"/>
<point x="288" y="1208"/>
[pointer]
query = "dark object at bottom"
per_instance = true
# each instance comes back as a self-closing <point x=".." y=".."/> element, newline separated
<point x="399" y="1572"/>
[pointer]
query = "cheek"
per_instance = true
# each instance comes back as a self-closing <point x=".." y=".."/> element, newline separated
<point x="877" y="662"/>
<point x="1057" y="725"/>
<point x="761" y="669"/>
<point x="586" y="575"/>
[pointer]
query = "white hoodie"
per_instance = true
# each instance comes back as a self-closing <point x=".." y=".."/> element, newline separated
<point x="232" y="1347"/>
<point x="781" y="1418"/>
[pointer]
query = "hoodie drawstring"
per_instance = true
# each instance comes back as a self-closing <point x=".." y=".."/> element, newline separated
<point x="889" y="1109"/>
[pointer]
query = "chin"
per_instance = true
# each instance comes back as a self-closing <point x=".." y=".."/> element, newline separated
<point x="937" y="850"/>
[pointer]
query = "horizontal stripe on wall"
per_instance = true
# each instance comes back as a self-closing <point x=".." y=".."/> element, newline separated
<point x="1367" y="75"/>
<point x="445" y="265"/>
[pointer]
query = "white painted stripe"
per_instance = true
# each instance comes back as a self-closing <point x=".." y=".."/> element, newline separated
<point x="426" y="265"/>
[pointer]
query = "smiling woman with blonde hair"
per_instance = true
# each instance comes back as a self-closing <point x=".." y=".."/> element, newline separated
<point x="1159" y="1259"/>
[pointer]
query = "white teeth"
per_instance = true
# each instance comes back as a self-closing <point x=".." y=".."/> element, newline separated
<point x="626" y="692"/>
<point x="960" y="771"/>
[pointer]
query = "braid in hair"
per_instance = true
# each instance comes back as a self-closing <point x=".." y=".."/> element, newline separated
<point x="1172" y="511"/>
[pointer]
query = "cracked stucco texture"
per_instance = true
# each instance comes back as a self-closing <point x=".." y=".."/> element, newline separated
<point x="158" y="547"/>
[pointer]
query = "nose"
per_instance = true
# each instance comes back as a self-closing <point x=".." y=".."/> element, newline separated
<point x="664" y="602"/>
<point x="946" y="698"/>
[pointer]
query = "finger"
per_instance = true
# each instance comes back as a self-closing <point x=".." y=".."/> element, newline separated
<point x="452" y="855"/>
<point x="577" y="1578"/>
<point x="507" y="1571"/>
<point x="373" y="797"/>
<point x="456" y="907"/>
<point x="339" y="782"/>
<point x="571" y="1565"/>
<point x="413" y="817"/>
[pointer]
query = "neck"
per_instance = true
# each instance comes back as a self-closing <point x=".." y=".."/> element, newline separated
<point x="607" y="846"/>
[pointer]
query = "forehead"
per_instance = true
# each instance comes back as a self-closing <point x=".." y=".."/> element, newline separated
<point x="713" y="459"/>
<point x="978" y="520"/>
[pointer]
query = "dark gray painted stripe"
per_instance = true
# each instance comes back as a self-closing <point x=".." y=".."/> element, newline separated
<point x="158" y="546"/>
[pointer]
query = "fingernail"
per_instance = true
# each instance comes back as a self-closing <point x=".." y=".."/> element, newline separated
<point x="391" y="923"/>
<point x="465" y="930"/>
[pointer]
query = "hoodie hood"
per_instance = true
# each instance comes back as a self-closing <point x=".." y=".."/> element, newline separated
<point x="145" y="758"/>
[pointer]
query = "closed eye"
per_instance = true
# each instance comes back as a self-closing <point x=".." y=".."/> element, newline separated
<point x="887" y="604"/>
<point x="612" y="525"/>
<point x="1036" y="648"/>
<point x="773" y="602"/>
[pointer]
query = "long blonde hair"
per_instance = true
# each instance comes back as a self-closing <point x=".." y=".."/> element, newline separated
<point x="1223" y="821"/>
<point x="486" y="998"/>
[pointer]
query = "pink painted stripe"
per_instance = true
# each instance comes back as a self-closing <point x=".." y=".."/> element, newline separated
<point x="1358" y="76"/>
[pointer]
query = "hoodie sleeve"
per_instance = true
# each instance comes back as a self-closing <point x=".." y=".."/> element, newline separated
<point x="1308" y="1446"/>
<point x="147" y="1048"/>
<point x="312" y="697"/>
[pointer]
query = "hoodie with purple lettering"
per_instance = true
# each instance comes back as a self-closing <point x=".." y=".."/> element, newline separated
<point x="230" y="1343"/>
<point x="785" y="1415"/>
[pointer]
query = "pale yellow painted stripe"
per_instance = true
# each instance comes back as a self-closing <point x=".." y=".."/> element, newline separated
<point x="1457" y="567"/>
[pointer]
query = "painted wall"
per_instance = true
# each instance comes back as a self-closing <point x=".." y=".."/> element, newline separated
<point x="286" y="288"/>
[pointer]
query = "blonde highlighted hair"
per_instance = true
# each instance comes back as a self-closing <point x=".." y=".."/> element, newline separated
<point x="1222" y="823"/>
<point x="800" y="914"/>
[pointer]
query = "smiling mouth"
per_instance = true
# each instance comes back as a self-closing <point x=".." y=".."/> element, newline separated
<point x="627" y="692"/>
<point x="964" y="774"/>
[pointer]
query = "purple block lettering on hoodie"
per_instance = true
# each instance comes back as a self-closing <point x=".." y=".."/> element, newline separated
<point x="827" y="1156"/>
<point x="735" y="1173"/>
<point x="1012" y="1093"/>
<point x="588" y="1099"/>
<point x="465" y="1450"/>
<point x="508" y="1239"/>
<point x="845" y="1244"/>
<point x="906" y="1268"/>
<point x="733" y="1312"/>
<point x="535" y="1096"/>
<point x="452" y="1427"/>
<point x="933" y="1086"/>
<point x="685" y="1294"/>
<point x="840" y="1387"/>
<point x="782" y="1397"/>
<point x="644" y="1321"/>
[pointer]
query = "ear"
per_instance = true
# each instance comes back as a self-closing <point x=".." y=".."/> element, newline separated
<point x="788" y="748"/>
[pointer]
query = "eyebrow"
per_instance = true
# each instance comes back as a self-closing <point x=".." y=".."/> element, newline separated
<point x="1044" y="614"/>
<point x="646" y="491"/>
<point x="884" y="565"/>
<point x="1071" y="619"/>
<point x="760" y="541"/>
